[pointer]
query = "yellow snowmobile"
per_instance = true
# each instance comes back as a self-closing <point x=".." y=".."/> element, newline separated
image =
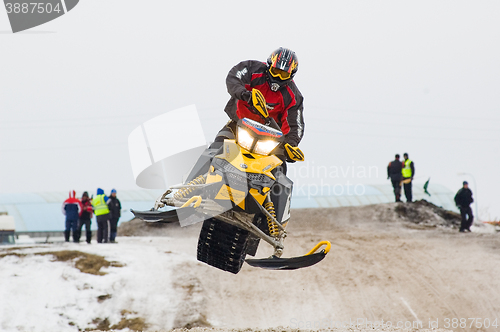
<point x="242" y="196"/>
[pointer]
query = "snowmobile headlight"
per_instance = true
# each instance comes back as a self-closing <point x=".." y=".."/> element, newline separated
<point x="265" y="147"/>
<point x="257" y="138"/>
<point x="245" y="140"/>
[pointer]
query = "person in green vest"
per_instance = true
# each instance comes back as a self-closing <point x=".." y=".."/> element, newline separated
<point x="408" y="172"/>
<point x="101" y="210"/>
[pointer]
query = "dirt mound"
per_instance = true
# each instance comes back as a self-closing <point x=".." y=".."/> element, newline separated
<point x="138" y="227"/>
<point x="382" y="266"/>
<point x="427" y="214"/>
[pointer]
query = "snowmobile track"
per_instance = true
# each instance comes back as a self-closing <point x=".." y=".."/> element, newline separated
<point x="222" y="245"/>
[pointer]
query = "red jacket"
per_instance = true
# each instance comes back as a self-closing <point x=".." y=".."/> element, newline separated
<point x="285" y="105"/>
<point x="87" y="210"/>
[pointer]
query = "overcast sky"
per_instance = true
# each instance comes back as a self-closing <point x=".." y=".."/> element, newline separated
<point x="378" y="78"/>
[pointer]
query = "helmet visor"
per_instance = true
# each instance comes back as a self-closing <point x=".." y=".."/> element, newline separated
<point x="283" y="75"/>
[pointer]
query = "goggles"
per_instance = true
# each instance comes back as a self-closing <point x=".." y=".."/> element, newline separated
<point x="283" y="75"/>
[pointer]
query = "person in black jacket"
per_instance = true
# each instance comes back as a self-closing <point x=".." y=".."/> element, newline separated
<point x="115" y="207"/>
<point x="274" y="80"/>
<point x="463" y="200"/>
<point x="394" y="173"/>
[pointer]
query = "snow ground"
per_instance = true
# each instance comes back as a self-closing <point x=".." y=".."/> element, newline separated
<point x="39" y="294"/>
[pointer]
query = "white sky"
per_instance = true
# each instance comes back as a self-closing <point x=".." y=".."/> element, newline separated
<point x="378" y="77"/>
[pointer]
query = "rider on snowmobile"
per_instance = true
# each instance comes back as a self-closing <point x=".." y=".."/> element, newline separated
<point x="274" y="80"/>
<point x="238" y="187"/>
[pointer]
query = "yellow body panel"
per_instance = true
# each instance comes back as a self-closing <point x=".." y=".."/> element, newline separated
<point x="236" y="196"/>
<point x="258" y="197"/>
<point x="191" y="200"/>
<point x="213" y="178"/>
<point x="233" y="153"/>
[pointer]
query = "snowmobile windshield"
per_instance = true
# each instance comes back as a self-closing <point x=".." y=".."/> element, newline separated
<point x="257" y="138"/>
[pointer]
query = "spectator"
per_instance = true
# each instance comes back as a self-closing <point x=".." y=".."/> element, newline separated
<point x="115" y="213"/>
<point x="71" y="208"/>
<point x="408" y="173"/>
<point x="85" y="217"/>
<point x="101" y="211"/>
<point x="463" y="200"/>
<point x="394" y="173"/>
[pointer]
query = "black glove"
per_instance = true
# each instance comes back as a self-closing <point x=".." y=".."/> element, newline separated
<point x="247" y="96"/>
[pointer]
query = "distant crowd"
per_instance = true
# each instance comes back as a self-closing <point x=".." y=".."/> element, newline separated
<point x="402" y="173"/>
<point x="79" y="212"/>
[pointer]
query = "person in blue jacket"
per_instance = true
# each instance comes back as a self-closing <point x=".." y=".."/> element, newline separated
<point x="72" y="209"/>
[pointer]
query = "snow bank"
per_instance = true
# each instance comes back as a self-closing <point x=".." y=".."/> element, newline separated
<point x="40" y="294"/>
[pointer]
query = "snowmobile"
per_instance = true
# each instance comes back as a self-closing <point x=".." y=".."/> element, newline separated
<point x="241" y="194"/>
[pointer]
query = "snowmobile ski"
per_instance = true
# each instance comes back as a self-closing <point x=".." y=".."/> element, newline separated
<point x="293" y="263"/>
<point x="163" y="216"/>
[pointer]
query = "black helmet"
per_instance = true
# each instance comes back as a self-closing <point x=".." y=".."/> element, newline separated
<point x="283" y="64"/>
